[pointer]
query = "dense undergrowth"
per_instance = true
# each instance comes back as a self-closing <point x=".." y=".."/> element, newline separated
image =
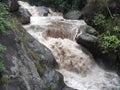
<point x="107" y="22"/>
<point x="61" y="5"/>
<point x="109" y="29"/>
<point x="66" y="5"/>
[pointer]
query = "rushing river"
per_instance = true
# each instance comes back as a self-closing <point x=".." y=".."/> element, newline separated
<point x="75" y="62"/>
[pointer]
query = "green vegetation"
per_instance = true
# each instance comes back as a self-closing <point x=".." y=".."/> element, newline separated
<point x="99" y="20"/>
<point x="109" y="43"/>
<point x="116" y="89"/>
<point x="23" y="38"/>
<point x="2" y="67"/>
<point x="109" y="28"/>
<point x="61" y="5"/>
<point x="34" y="55"/>
<point x="4" y="80"/>
<point x="40" y="68"/>
<point x="104" y="7"/>
<point x="66" y="5"/>
<point x="4" y="24"/>
<point x="49" y="86"/>
<point x="2" y="49"/>
<point x="107" y="23"/>
<point x="14" y="24"/>
<point x="3" y="10"/>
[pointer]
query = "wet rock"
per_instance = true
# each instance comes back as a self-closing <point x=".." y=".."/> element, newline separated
<point x="46" y="57"/>
<point x="43" y="11"/>
<point x="19" y="66"/>
<point x="73" y="15"/>
<point x="68" y="88"/>
<point x="53" y="80"/>
<point x="86" y="36"/>
<point x="15" y="84"/>
<point x="19" y="60"/>
<point x="24" y="16"/>
<point x="21" y="13"/>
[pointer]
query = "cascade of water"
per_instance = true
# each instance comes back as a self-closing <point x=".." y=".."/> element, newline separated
<point x="76" y="63"/>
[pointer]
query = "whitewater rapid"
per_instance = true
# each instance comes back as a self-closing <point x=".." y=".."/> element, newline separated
<point x="75" y="63"/>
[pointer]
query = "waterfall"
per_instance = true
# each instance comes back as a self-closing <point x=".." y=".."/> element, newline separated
<point x="75" y="63"/>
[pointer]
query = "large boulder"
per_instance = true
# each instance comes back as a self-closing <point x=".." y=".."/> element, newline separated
<point x="24" y="16"/>
<point x="45" y="57"/>
<point x="43" y="11"/>
<point x="19" y="67"/>
<point x="12" y="4"/>
<point x="20" y="58"/>
<point x="53" y="80"/>
<point x="21" y="13"/>
<point x="86" y="36"/>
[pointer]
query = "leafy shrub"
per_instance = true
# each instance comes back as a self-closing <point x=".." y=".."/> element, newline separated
<point x="109" y="43"/>
<point x="99" y="20"/>
<point x="4" y="24"/>
<point x="3" y="10"/>
<point x="109" y="38"/>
